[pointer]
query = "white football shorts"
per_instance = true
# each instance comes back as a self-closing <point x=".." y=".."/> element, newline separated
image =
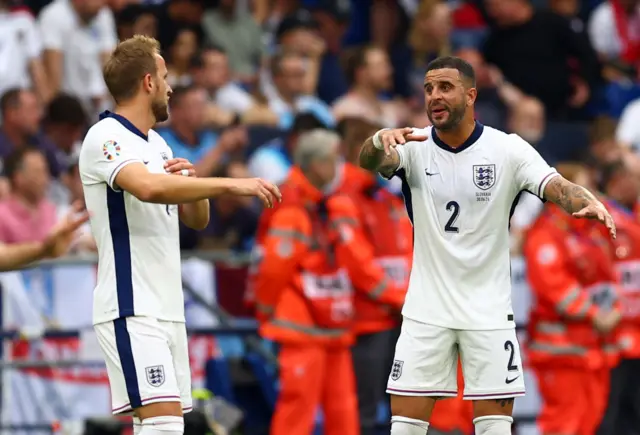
<point x="147" y="362"/>
<point x="426" y="362"/>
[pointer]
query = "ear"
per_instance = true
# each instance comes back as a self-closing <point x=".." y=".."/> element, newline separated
<point x="147" y="83"/>
<point x="472" y="94"/>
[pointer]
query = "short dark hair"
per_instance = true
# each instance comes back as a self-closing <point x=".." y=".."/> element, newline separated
<point x="10" y="99"/>
<point x="178" y="94"/>
<point x="306" y="121"/>
<point x="66" y="109"/>
<point x="197" y="60"/>
<point x="13" y="163"/>
<point x="464" y="68"/>
<point x="355" y="60"/>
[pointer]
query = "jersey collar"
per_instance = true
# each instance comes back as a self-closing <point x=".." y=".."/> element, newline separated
<point x="125" y="123"/>
<point x="473" y="138"/>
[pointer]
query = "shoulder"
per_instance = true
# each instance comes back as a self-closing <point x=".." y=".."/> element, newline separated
<point x="632" y="109"/>
<point x="58" y="12"/>
<point x="290" y="214"/>
<point x="602" y="14"/>
<point x="103" y="130"/>
<point x="23" y="18"/>
<point x="157" y="137"/>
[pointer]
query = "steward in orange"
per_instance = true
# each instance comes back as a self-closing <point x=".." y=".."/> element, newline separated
<point x="304" y="297"/>
<point x="572" y="275"/>
<point x="622" y="187"/>
<point x="379" y="266"/>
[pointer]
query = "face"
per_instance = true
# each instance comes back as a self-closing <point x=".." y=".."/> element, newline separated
<point x="378" y="70"/>
<point x="446" y="98"/>
<point x="88" y="9"/>
<point x="527" y="120"/>
<point x="26" y="117"/>
<point x="215" y="72"/>
<point x="32" y="179"/>
<point x="191" y="110"/>
<point x="437" y="24"/>
<point x="325" y="168"/>
<point x="160" y="91"/>
<point x="290" y="79"/>
<point x="184" y="46"/>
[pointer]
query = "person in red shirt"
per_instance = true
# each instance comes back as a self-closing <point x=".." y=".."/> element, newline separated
<point x="622" y="188"/>
<point x="571" y="271"/>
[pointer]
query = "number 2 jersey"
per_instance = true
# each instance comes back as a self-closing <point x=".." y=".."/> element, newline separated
<point x="460" y="201"/>
<point x="139" y="269"/>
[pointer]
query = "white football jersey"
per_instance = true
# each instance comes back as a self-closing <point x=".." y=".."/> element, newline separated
<point x="460" y="201"/>
<point x="139" y="269"/>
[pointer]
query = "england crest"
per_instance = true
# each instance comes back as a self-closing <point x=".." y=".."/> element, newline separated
<point x="484" y="176"/>
<point x="396" y="370"/>
<point x="155" y="375"/>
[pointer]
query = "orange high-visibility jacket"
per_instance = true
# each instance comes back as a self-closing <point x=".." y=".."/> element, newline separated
<point x="302" y="292"/>
<point x="571" y="272"/>
<point x="627" y="255"/>
<point x="380" y="255"/>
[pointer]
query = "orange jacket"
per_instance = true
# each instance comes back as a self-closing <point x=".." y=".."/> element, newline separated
<point x="627" y="253"/>
<point x="379" y="258"/>
<point x="571" y="272"/>
<point x="302" y="292"/>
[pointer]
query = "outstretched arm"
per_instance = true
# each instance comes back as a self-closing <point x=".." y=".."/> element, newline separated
<point x="375" y="160"/>
<point x="578" y="201"/>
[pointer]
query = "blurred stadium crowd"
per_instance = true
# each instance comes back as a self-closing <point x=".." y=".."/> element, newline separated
<point x="250" y="77"/>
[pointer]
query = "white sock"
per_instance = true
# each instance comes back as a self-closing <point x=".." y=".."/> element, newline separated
<point x="493" y="425"/>
<point x="137" y="426"/>
<point x="164" y="425"/>
<point x="408" y="426"/>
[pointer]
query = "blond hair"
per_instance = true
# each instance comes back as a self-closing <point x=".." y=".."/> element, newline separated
<point x="131" y="60"/>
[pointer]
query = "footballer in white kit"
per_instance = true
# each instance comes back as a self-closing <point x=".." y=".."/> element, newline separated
<point x="461" y="181"/>
<point x="138" y="305"/>
<point x="136" y="193"/>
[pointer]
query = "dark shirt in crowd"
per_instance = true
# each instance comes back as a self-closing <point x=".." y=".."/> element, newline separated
<point x="533" y="56"/>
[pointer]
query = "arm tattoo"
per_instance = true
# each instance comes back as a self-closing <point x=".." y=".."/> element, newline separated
<point x="373" y="159"/>
<point x="567" y="195"/>
<point x="505" y="402"/>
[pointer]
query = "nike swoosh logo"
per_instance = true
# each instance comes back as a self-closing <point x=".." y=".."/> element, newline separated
<point x="430" y="174"/>
<point x="146" y="163"/>
<point x="508" y="381"/>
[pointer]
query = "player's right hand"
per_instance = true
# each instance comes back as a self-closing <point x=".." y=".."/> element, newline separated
<point x="267" y="192"/>
<point x="398" y="136"/>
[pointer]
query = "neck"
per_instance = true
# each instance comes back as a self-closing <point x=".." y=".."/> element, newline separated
<point x="365" y="92"/>
<point x="456" y="137"/>
<point x="286" y="97"/>
<point x="142" y="120"/>
<point x="16" y="137"/>
<point x="186" y="134"/>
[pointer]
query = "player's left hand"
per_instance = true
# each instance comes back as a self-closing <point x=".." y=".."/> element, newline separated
<point x="180" y="166"/>
<point x="63" y="233"/>
<point x="598" y="211"/>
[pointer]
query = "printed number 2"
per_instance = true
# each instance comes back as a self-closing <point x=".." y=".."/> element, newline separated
<point x="453" y="207"/>
<point x="509" y="347"/>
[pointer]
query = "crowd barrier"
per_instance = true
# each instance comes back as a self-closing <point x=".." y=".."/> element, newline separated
<point x="51" y="369"/>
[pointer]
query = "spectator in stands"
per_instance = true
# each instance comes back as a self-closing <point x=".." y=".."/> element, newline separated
<point x="429" y="37"/>
<point x="239" y="35"/>
<point x="136" y="19"/>
<point x="73" y="194"/>
<point x="288" y="71"/>
<point x="614" y="31"/>
<point x="233" y="220"/>
<point x="370" y="74"/>
<point x="603" y="146"/>
<point x="21" y="117"/>
<point x="628" y="131"/>
<point x="273" y="160"/>
<point x="527" y="120"/>
<point x="210" y="71"/>
<point x="532" y="49"/>
<point x="181" y="52"/>
<point x="78" y="36"/>
<point x="20" y="59"/>
<point x="188" y="137"/>
<point x="26" y="215"/>
<point x="64" y="125"/>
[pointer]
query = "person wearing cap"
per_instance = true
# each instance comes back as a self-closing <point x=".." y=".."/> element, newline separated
<point x="303" y="292"/>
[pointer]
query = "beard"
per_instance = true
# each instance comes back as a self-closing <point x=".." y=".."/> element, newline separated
<point x="455" y="116"/>
<point x="160" y="110"/>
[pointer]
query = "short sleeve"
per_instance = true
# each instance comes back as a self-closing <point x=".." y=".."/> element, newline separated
<point x="52" y="27"/>
<point x="531" y="171"/>
<point x="102" y="157"/>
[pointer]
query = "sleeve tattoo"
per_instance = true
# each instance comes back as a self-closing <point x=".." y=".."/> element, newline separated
<point x="569" y="196"/>
<point x="373" y="159"/>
